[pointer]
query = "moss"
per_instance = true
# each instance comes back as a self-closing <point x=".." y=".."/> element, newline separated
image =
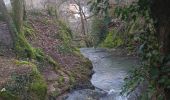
<point x="61" y="80"/>
<point x="72" y="80"/>
<point x="111" y="41"/>
<point x="23" y="48"/>
<point x="40" y="56"/>
<point x="7" y="96"/>
<point x="52" y="62"/>
<point x="39" y="87"/>
<point x="28" y="30"/>
<point x="36" y="86"/>
<point x="77" y="52"/>
<point x="18" y="63"/>
<point x="65" y="29"/>
<point x="85" y="63"/>
<point x="65" y="36"/>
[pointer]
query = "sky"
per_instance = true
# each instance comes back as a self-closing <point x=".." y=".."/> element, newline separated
<point x="7" y="1"/>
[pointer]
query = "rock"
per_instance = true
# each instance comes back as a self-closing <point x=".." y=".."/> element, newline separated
<point x="5" y="37"/>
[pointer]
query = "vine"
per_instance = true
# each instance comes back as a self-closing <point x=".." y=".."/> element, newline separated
<point x="153" y="67"/>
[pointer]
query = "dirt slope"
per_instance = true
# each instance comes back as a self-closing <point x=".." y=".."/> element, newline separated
<point x="73" y="70"/>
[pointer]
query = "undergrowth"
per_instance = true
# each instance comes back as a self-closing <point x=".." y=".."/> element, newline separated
<point x="111" y="41"/>
<point x="25" y="86"/>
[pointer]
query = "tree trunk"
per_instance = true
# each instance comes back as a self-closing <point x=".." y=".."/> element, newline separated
<point x="161" y="12"/>
<point x="18" y="12"/>
<point x="24" y="11"/>
<point x="8" y="20"/>
<point x="164" y="33"/>
<point x="82" y="16"/>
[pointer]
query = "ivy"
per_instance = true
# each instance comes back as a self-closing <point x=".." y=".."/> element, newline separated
<point x="153" y="67"/>
<point x="99" y="6"/>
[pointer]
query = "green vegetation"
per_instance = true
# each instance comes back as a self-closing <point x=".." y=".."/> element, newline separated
<point x="65" y="36"/>
<point x="25" y="86"/>
<point x="61" y="80"/>
<point x="153" y="69"/>
<point x="28" y="30"/>
<point x="142" y="29"/>
<point x="96" y="30"/>
<point x="23" y="48"/>
<point x="39" y="87"/>
<point x="1" y="17"/>
<point x="7" y="96"/>
<point x="72" y="80"/>
<point x="112" y="41"/>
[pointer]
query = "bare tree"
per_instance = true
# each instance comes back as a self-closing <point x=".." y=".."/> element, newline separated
<point x="83" y="22"/>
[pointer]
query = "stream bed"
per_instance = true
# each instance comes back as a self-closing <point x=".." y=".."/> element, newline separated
<point x="108" y="77"/>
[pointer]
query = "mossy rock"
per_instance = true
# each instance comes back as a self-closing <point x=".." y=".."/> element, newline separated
<point x="38" y="87"/>
<point x="7" y="96"/>
<point x="34" y="88"/>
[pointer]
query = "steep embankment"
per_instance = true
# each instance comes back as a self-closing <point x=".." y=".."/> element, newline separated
<point x="54" y="38"/>
<point x="44" y="80"/>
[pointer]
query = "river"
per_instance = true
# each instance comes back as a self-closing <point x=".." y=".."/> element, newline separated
<point x="108" y="77"/>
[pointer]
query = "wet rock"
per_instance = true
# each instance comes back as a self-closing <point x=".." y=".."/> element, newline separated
<point x="86" y="94"/>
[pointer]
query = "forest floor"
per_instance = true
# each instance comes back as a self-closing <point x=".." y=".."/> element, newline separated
<point x="73" y="67"/>
<point x="73" y="70"/>
<point x="9" y="67"/>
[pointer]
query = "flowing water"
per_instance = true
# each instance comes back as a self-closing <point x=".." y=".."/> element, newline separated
<point x="108" y="77"/>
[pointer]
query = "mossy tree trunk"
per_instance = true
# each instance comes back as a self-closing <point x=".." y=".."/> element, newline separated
<point x="18" y="14"/>
<point x="24" y="10"/>
<point x="8" y="20"/>
<point x="15" y="24"/>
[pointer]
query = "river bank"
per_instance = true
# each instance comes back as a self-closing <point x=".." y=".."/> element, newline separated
<point x="61" y="69"/>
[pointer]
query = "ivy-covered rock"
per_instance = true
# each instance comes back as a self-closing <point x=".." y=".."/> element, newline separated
<point x="23" y="86"/>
